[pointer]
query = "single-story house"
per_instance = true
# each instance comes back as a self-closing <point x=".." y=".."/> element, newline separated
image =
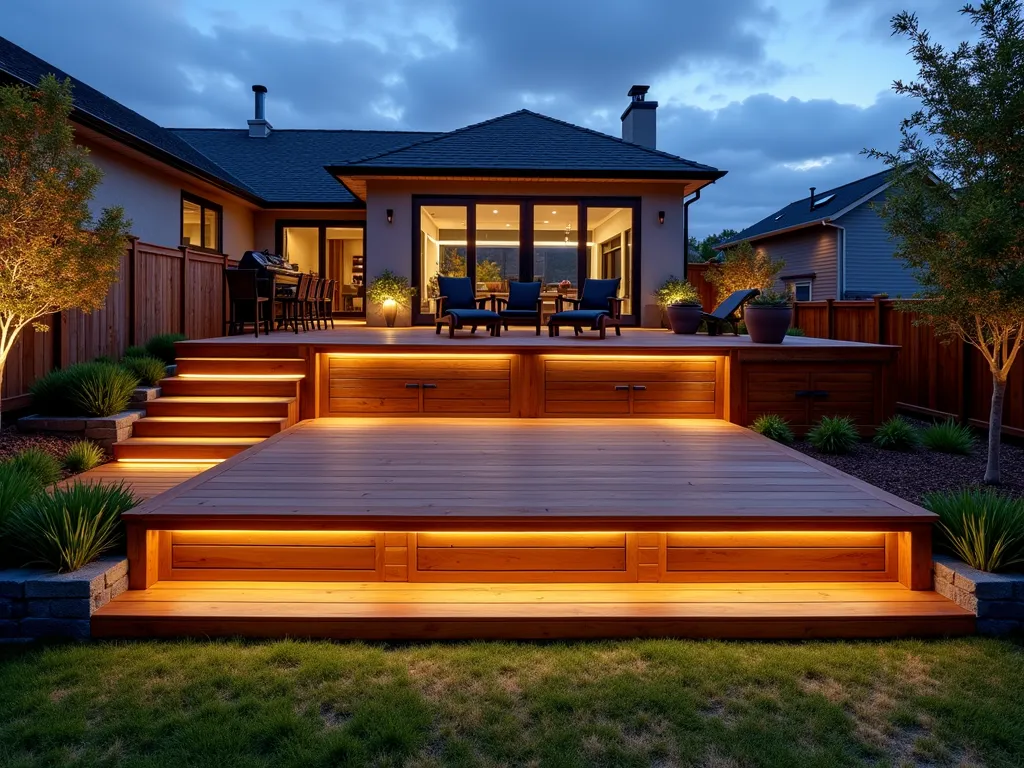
<point x="834" y="244"/>
<point x="519" y="197"/>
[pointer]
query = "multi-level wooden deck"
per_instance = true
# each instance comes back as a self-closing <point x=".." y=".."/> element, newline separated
<point x="527" y="528"/>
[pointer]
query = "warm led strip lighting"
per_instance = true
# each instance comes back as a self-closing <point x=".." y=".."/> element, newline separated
<point x="245" y="376"/>
<point x="170" y="461"/>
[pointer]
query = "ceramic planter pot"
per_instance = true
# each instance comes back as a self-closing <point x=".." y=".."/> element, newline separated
<point x="390" y="309"/>
<point x="767" y="325"/>
<point x="683" y="318"/>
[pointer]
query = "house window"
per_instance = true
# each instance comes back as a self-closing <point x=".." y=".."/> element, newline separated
<point x="201" y="223"/>
<point x="801" y="290"/>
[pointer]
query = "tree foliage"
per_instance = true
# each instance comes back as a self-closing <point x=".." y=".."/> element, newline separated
<point x="53" y="255"/>
<point x="706" y="247"/>
<point x="956" y="207"/>
<point x="743" y="267"/>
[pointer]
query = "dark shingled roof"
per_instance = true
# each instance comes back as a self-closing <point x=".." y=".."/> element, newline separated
<point x="799" y="214"/>
<point x="287" y="167"/>
<point x="527" y="141"/>
<point x="108" y="116"/>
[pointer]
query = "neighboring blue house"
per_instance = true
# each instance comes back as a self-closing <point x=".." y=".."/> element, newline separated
<point x="834" y="244"/>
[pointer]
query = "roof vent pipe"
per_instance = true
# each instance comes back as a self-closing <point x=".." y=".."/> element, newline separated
<point x="259" y="128"/>
<point x="812" y="197"/>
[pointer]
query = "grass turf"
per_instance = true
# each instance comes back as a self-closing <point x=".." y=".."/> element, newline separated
<point x="639" y="703"/>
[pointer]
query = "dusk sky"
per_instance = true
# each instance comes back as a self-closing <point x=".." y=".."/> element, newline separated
<point x="783" y="95"/>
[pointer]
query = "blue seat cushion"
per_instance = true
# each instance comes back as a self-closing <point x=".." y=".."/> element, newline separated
<point x="597" y="294"/>
<point x="518" y="313"/>
<point x="578" y="317"/>
<point x="458" y="292"/>
<point x="473" y="316"/>
<point x="523" y="296"/>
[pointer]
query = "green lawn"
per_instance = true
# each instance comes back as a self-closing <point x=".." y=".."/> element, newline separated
<point x="641" y="703"/>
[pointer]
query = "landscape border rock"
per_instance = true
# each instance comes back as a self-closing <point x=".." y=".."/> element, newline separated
<point x="36" y="604"/>
<point x="104" y="430"/>
<point x="997" y="599"/>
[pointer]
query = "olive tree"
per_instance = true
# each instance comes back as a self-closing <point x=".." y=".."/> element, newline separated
<point x="956" y="205"/>
<point x="53" y="255"/>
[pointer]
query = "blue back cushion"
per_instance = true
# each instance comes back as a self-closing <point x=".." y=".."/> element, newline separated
<point x="522" y="296"/>
<point x="596" y="293"/>
<point x="459" y="291"/>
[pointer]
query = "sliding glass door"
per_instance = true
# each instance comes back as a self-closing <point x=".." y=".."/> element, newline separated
<point x="330" y="249"/>
<point x="496" y="241"/>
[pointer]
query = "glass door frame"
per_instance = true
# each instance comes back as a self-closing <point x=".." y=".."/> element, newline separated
<point x="526" y="204"/>
<point x="322" y="225"/>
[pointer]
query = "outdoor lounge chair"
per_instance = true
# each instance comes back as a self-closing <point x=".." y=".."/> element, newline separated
<point x="728" y="311"/>
<point x="523" y="305"/>
<point x="458" y="307"/>
<point x="598" y="307"/>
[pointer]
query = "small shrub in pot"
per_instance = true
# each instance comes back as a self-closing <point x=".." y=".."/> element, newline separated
<point x="681" y="303"/>
<point x="768" y="317"/>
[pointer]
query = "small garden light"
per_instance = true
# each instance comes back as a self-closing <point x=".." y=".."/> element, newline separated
<point x="391" y="215"/>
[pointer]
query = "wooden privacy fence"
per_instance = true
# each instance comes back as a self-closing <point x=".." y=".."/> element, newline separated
<point x="159" y="290"/>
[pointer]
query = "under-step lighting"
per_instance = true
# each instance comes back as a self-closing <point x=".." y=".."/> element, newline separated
<point x="171" y="462"/>
<point x="244" y="376"/>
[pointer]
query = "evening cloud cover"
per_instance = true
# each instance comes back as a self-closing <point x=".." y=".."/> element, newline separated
<point x="783" y="95"/>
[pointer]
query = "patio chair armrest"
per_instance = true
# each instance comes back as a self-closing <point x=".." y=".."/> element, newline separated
<point x="498" y="302"/>
<point x="439" y="305"/>
<point x="481" y="302"/>
<point x="615" y="304"/>
<point x="560" y="302"/>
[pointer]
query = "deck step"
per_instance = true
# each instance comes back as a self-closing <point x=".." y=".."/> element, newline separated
<point x="178" y="386"/>
<point x="241" y="366"/>
<point x="179" y="448"/>
<point x="208" y="426"/>
<point x="277" y="407"/>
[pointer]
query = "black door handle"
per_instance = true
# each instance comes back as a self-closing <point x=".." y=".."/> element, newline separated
<point x="412" y="385"/>
<point x="430" y="386"/>
<point x="812" y="393"/>
<point x="622" y="387"/>
<point x="639" y="388"/>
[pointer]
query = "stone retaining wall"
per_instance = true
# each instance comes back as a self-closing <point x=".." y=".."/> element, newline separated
<point x="997" y="599"/>
<point x="105" y="430"/>
<point x="36" y="604"/>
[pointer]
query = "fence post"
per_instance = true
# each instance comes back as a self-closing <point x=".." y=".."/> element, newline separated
<point x="133" y="245"/>
<point x="830" y="319"/>
<point x="184" y="290"/>
<point x="879" y="322"/>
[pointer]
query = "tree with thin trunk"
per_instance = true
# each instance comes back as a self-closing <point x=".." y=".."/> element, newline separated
<point x="53" y="255"/>
<point x="956" y="206"/>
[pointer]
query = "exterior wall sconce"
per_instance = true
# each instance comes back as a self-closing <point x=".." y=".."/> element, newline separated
<point x="391" y="215"/>
<point x="661" y="217"/>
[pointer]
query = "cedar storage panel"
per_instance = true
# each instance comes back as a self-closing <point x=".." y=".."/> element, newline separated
<point x="642" y="388"/>
<point x="804" y="392"/>
<point x="431" y="385"/>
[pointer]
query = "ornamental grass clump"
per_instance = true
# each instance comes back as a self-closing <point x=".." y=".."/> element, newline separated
<point x="774" y="427"/>
<point x="82" y="456"/>
<point x="17" y="486"/>
<point x="949" y="437"/>
<point x="99" y="389"/>
<point x="147" y="369"/>
<point x="38" y="463"/>
<point x="834" y="434"/>
<point x="162" y="346"/>
<point x="984" y="528"/>
<point x="135" y="351"/>
<point x="70" y="527"/>
<point x="897" y="434"/>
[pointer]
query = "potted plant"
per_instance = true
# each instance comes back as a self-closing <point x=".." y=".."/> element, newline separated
<point x="680" y="301"/>
<point x="389" y="290"/>
<point x="768" y="316"/>
<point x="564" y="286"/>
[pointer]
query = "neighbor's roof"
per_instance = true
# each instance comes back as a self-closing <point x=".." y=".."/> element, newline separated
<point x="524" y="142"/>
<point x="112" y="118"/>
<point x="799" y="214"/>
<point x="287" y="167"/>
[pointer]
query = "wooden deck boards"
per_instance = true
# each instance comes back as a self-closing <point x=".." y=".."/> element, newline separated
<point x="424" y="339"/>
<point x="384" y="611"/>
<point x="145" y="480"/>
<point x="524" y="474"/>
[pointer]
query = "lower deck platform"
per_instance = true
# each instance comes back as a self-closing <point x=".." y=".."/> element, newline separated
<point x="382" y="611"/>
<point x="391" y="528"/>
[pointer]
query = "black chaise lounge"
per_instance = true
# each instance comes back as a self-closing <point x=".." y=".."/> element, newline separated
<point x="728" y="312"/>
<point x="522" y="307"/>
<point x="458" y="307"/>
<point x="598" y="307"/>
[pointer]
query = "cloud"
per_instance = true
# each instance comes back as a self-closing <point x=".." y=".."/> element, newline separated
<point x="441" y="64"/>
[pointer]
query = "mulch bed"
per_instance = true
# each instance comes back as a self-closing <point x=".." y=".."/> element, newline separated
<point x="911" y="475"/>
<point x="12" y="441"/>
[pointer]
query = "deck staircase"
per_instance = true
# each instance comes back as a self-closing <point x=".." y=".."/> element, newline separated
<point x="216" y="405"/>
